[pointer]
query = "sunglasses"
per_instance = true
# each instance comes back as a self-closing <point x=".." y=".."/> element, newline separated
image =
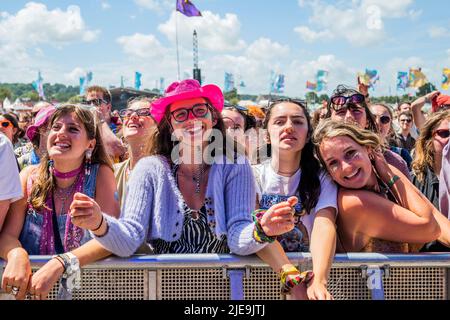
<point x="6" y="124"/>
<point x="199" y="110"/>
<point x="94" y="102"/>
<point x="385" y="119"/>
<point x="443" y="133"/>
<point x="341" y="109"/>
<point x="127" y="113"/>
<point x="406" y="120"/>
<point x="342" y="100"/>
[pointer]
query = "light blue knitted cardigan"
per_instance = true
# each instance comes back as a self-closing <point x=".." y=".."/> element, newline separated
<point x="154" y="207"/>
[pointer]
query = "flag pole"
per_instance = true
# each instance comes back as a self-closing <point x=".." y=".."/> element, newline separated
<point x="176" y="37"/>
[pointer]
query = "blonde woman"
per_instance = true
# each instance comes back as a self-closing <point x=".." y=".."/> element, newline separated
<point x="76" y="162"/>
<point x="427" y="164"/>
<point x="374" y="195"/>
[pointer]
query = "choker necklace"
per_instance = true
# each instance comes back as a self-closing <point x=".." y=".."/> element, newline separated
<point x="67" y="175"/>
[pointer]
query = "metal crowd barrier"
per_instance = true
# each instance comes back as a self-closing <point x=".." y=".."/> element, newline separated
<point x="354" y="276"/>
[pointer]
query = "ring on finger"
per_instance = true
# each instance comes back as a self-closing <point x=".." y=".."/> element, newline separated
<point x="15" y="290"/>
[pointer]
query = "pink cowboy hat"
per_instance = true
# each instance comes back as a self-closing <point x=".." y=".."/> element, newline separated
<point x="41" y="119"/>
<point x="184" y="90"/>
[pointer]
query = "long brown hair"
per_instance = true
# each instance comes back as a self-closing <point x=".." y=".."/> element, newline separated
<point x="45" y="182"/>
<point x="424" y="151"/>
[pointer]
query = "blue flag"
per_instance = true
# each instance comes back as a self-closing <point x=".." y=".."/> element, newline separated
<point x="187" y="8"/>
<point x="38" y="85"/>
<point x="137" y="80"/>
<point x="82" y="86"/>
<point x="229" y="82"/>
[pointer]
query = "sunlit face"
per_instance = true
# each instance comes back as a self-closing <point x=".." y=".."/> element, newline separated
<point x="135" y="126"/>
<point x="68" y="139"/>
<point x="351" y="113"/>
<point x="288" y="127"/>
<point x="104" y="108"/>
<point x="234" y="124"/>
<point x="7" y="128"/>
<point x="405" y="107"/>
<point x="347" y="162"/>
<point x="405" y="122"/>
<point x="191" y="120"/>
<point x="439" y="137"/>
<point x="382" y="119"/>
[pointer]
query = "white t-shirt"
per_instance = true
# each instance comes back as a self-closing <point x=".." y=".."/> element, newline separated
<point x="273" y="188"/>
<point x="10" y="187"/>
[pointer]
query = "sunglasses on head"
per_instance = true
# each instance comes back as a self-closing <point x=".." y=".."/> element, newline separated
<point x="127" y="113"/>
<point x="343" y="100"/>
<point x="6" y="124"/>
<point x="94" y="102"/>
<point x="199" y="110"/>
<point x="443" y="133"/>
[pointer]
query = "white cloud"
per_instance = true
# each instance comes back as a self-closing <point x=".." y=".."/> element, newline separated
<point x="142" y="46"/>
<point x="215" y="34"/>
<point x="309" y="35"/>
<point x="75" y="75"/>
<point x="106" y="5"/>
<point x="438" y="32"/>
<point x="35" y="24"/>
<point x="265" y="49"/>
<point x="359" y="22"/>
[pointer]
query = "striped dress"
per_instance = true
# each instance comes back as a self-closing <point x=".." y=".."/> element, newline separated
<point x="196" y="236"/>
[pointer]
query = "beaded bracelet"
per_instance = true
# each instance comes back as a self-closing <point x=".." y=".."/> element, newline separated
<point x="258" y="233"/>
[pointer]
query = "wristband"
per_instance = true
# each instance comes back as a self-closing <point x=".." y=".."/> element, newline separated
<point x="100" y="225"/>
<point x="258" y="233"/>
<point x="288" y="284"/>
<point x="393" y="181"/>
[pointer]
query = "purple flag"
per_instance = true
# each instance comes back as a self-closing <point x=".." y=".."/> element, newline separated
<point x="187" y="8"/>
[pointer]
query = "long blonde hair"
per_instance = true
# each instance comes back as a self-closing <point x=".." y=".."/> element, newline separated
<point x="328" y="129"/>
<point x="424" y="151"/>
<point x="45" y="181"/>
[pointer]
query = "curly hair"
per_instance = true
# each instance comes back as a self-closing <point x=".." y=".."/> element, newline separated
<point x="424" y="151"/>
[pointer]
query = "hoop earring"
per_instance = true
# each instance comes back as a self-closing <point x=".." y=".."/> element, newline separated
<point x="87" y="162"/>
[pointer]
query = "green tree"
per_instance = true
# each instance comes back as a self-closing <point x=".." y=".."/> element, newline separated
<point x="32" y="95"/>
<point x="311" y="97"/>
<point x="5" y="93"/>
<point x="232" y="96"/>
<point x="75" y="99"/>
<point x="425" y="89"/>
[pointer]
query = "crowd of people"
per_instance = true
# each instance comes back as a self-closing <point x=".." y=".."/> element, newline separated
<point x="191" y="173"/>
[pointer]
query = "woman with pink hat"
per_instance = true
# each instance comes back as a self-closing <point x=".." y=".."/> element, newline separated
<point x="37" y="135"/>
<point x="181" y="199"/>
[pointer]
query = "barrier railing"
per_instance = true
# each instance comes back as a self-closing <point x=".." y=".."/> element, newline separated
<point x="354" y="276"/>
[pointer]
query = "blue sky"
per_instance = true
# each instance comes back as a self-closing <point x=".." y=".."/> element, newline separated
<point x="249" y="38"/>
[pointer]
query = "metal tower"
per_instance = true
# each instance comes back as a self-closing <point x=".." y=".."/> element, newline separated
<point x="197" y="72"/>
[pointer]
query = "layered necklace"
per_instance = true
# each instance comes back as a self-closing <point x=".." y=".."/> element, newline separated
<point x="65" y="193"/>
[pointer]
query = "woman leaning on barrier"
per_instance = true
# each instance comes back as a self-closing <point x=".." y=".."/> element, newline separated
<point x="292" y="173"/>
<point x="176" y="202"/>
<point x="380" y="210"/>
<point x="38" y="223"/>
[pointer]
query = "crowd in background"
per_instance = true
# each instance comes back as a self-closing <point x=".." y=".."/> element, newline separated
<point x="191" y="173"/>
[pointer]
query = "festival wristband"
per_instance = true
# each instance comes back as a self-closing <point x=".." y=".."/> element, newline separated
<point x="393" y="181"/>
<point x="258" y="233"/>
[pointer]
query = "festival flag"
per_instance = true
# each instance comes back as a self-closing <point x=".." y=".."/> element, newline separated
<point x="161" y="85"/>
<point x="311" y="85"/>
<point x="369" y="78"/>
<point x="417" y="78"/>
<point x="229" y="82"/>
<point x="402" y="80"/>
<point x="137" y="80"/>
<point x="242" y="84"/>
<point x="82" y="86"/>
<point x="89" y="77"/>
<point x="187" y="8"/>
<point x="122" y="81"/>
<point x="279" y="84"/>
<point x="321" y="80"/>
<point x="446" y="78"/>
<point x="38" y="85"/>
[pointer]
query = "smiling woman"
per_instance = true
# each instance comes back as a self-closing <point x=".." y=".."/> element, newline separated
<point x="374" y="195"/>
<point x="76" y="163"/>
